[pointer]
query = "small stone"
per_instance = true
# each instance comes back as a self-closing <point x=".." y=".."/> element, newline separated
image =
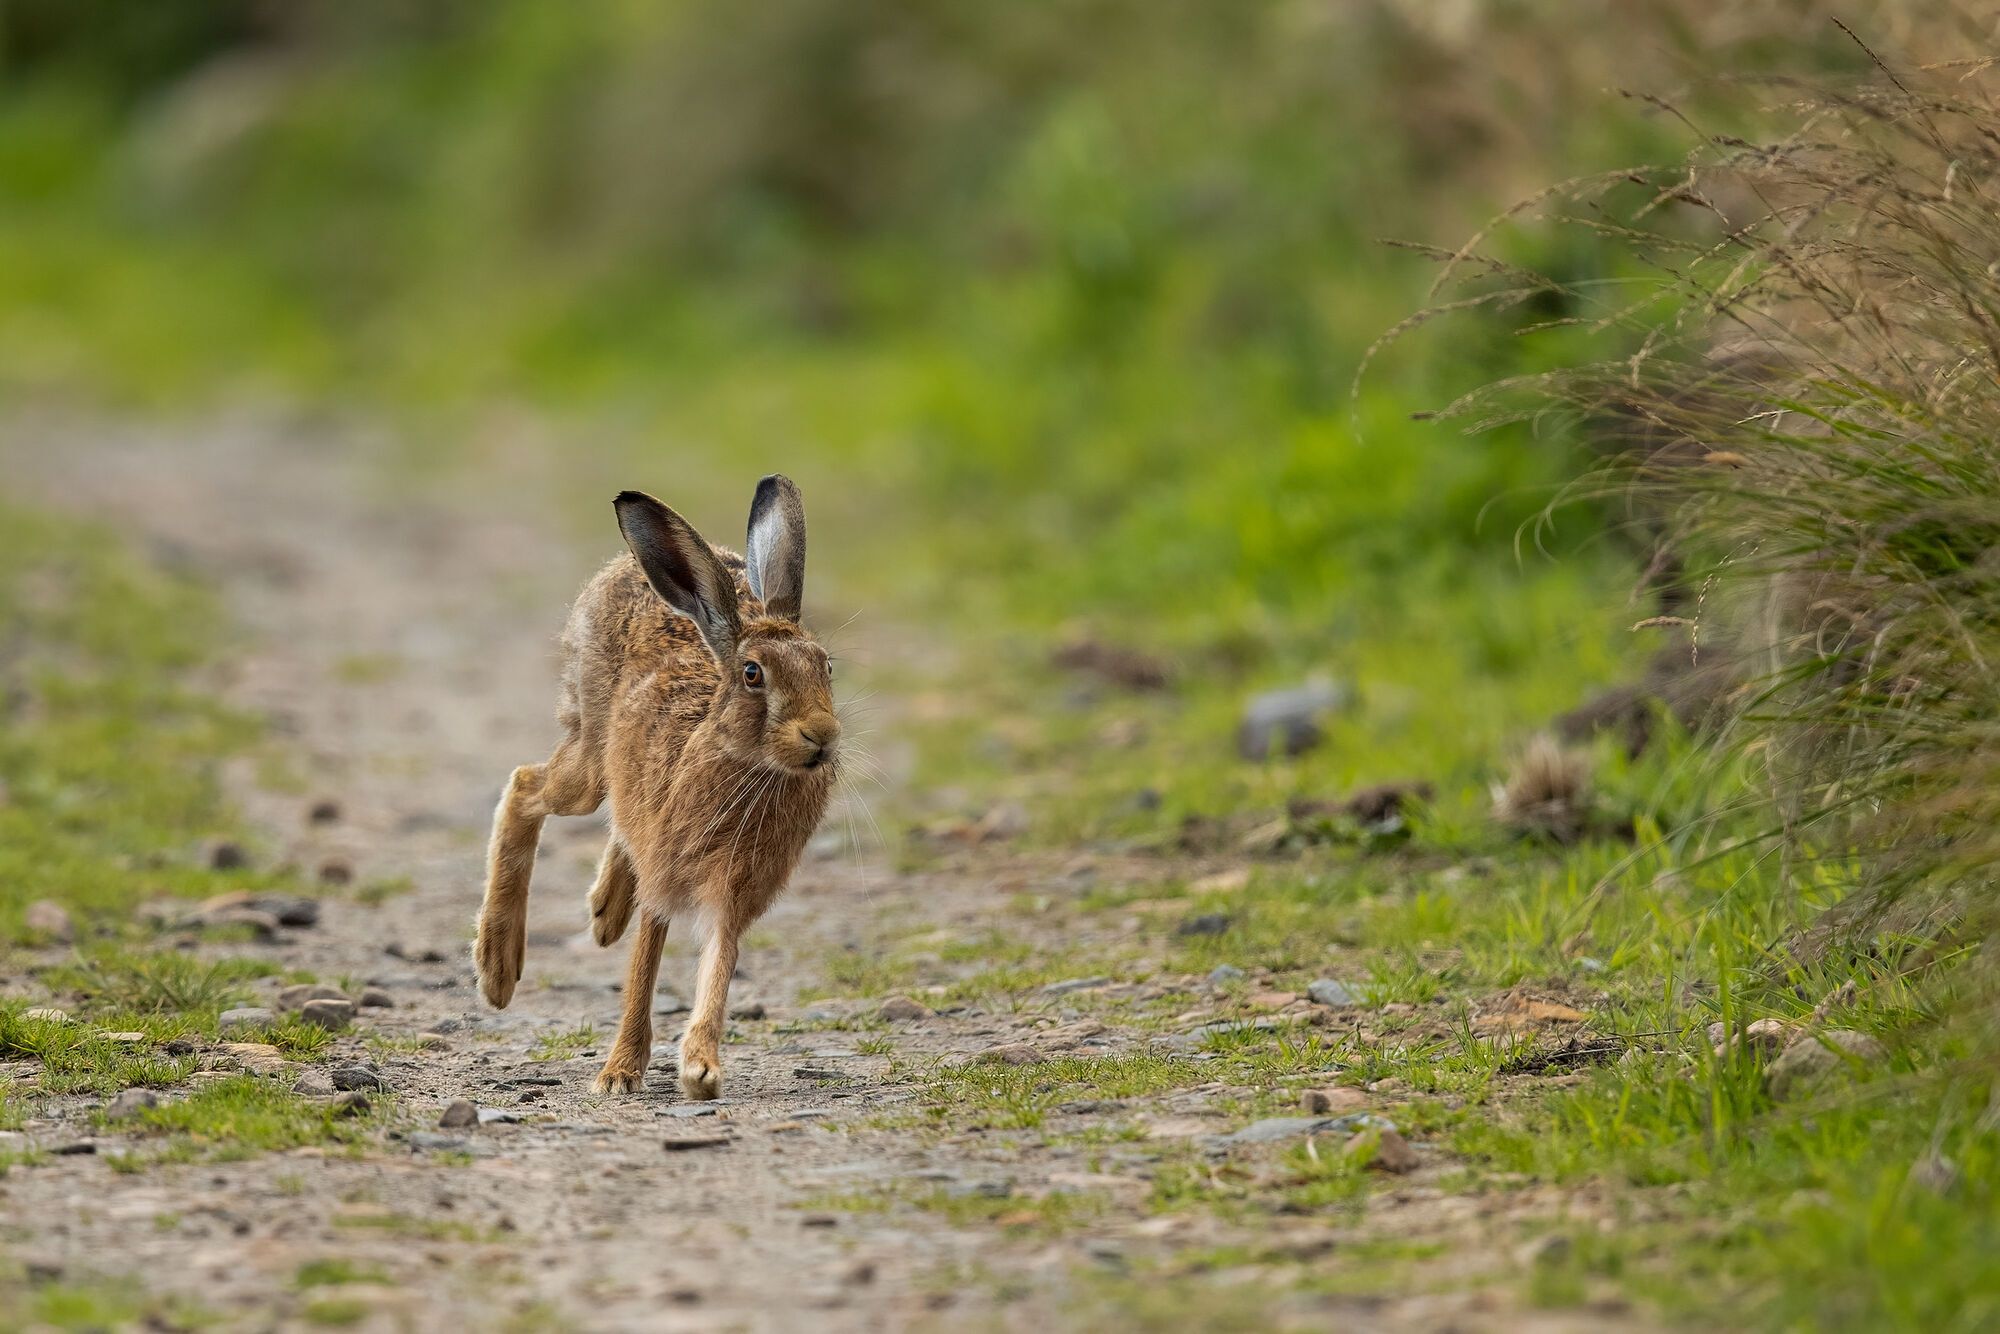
<point x="1765" y="1037"/>
<point x="398" y="949"/>
<point x="682" y="1143"/>
<point x="259" y="1058"/>
<point x="314" y="1084"/>
<point x="49" y="921"/>
<point x="1204" y="924"/>
<point x="1286" y="722"/>
<point x="350" y="1104"/>
<point x="336" y="871"/>
<point x="324" y="811"/>
<point x="1010" y="1053"/>
<point x="1334" y="995"/>
<point x="1385" y="1150"/>
<point x="1812" y="1060"/>
<point x="376" y="998"/>
<point x="1273" y="1129"/>
<point x="1075" y="984"/>
<point x="357" y="1077"/>
<point x="246" y="1017"/>
<point x="1223" y="974"/>
<point x="48" y="1014"/>
<point x="223" y="855"/>
<point x="433" y="1041"/>
<point x="126" y="1037"/>
<point x="1337" y="1099"/>
<point x="498" y="1116"/>
<point x="430" y="1142"/>
<point x="747" y="1010"/>
<point x="459" y="1115"/>
<point x="332" y="1015"/>
<point x="900" y="1008"/>
<point x="130" y="1103"/>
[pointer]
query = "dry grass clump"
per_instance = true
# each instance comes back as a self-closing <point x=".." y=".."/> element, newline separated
<point x="1807" y="401"/>
<point x="1547" y="793"/>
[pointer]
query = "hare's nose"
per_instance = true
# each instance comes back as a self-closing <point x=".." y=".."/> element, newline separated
<point x="821" y="738"/>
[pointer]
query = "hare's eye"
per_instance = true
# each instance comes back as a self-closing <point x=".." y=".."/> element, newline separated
<point x="753" y="674"/>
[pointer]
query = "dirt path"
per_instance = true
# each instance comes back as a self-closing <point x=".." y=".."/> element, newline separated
<point x="403" y="644"/>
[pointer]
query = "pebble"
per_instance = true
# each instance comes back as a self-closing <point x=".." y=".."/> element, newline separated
<point x="332" y="1015"/>
<point x="130" y="1103"/>
<point x="1225" y="973"/>
<point x="682" y="1143"/>
<point x="49" y="920"/>
<point x="224" y="855"/>
<point x="748" y="1010"/>
<point x="1335" y="995"/>
<point x="898" y="1008"/>
<point x="1204" y="924"/>
<point x="246" y="1016"/>
<point x="498" y="1116"/>
<point x="314" y="1084"/>
<point x="460" y="1114"/>
<point x="1385" y="1149"/>
<point x="259" y="1058"/>
<point x="262" y="925"/>
<point x="324" y="811"/>
<point x="429" y="1141"/>
<point x="408" y="953"/>
<point x="685" y="1110"/>
<point x="357" y="1077"/>
<point x="376" y="998"/>
<point x="1286" y="722"/>
<point x="334" y="871"/>
<point x="48" y="1014"/>
<point x="295" y="997"/>
<point x="350" y="1104"/>
<point x="1839" y="1051"/>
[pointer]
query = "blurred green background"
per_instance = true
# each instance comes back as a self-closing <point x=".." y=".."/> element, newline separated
<point x="1055" y="311"/>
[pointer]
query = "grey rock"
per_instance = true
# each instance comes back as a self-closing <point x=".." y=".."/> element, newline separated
<point x="747" y="1010"/>
<point x="223" y="855"/>
<point x="246" y="1017"/>
<point x="324" y="811"/>
<point x="1225" y="973"/>
<point x="432" y="1142"/>
<point x="1384" y="1149"/>
<point x="376" y="998"/>
<point x="1275" y="1129"/>
<point x="898" y="1008"/>
<point x="314" y="1084"/>
<point x="1816" y="1058"/>
<point x="352" y="1077"/>
<point x="130" y="1103"/>
<point x="295" y="997"/>
<point x="48" y="1014"/>
<point x="1069" y="985"/>
<point x="459" y="1115"/>
<point x="687" y="1110"/>
<point x="332" y="1015"/>
<point x="350" y="1104"/>
<point x="289" y="909"/>
<point x="1204" y="924"/>
<point x="1336" y="995"/>
<point x="498" y="1116"/>
<point x="1287" y="722"/>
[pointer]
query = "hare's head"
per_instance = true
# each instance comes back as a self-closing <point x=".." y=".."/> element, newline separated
<point x="775" y="703"/>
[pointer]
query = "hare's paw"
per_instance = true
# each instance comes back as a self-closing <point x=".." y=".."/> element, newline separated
<point x="498" y="954"/>
<point x="610" y="912"/>
<point x="617" y="1077"/>
<point x="701" y="1079"/>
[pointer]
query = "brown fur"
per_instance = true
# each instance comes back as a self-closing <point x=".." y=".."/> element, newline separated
<point x="715" y="784"/>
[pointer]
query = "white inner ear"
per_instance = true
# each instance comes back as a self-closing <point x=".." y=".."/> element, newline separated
<point x="767" y="538"/>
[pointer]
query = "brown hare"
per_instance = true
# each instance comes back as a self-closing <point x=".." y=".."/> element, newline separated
<point x="695" y="701"/>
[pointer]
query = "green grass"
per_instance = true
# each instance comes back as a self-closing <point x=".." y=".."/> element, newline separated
<point x="241" y="1116"/>
<point x="109" y="764"/>
<point x="563" y="1045"/>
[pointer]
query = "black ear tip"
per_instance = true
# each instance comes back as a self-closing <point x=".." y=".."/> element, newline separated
<point x="625" y="498"/>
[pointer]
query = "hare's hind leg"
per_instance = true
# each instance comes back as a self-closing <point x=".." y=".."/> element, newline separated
<point x="563" y="786"/>
<point x="611" y="898"/>
<point x="625" y="1072"/>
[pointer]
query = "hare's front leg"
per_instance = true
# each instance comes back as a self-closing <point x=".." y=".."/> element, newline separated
<point x="625" y="1072"/>
<point x="701" y="1045"/>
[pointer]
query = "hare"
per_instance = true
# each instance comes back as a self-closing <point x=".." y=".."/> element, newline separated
<point x="695" y="701"/>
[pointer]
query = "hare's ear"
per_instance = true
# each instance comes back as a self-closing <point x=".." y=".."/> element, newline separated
<point x="775" y="551"/>
<point x="683" y="568"/>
